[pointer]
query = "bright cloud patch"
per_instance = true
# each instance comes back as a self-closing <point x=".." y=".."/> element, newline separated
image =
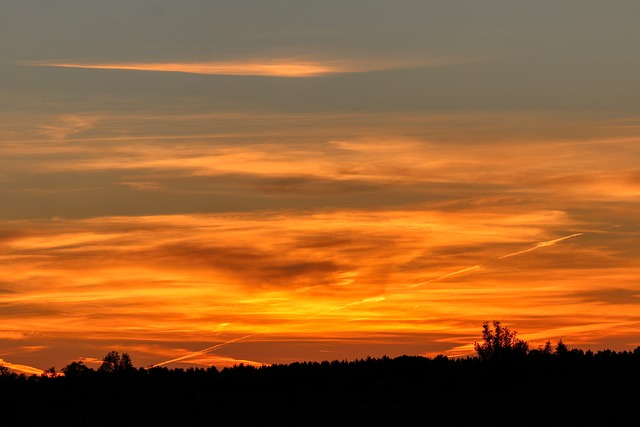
<point x="264" y="67"/>
<point x="272" y="68"/>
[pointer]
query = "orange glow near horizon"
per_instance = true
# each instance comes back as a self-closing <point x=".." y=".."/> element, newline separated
<point x="535" y="234"/>
<point x="239" y="278"/>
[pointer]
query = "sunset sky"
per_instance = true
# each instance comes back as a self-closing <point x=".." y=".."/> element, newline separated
<point x="267" y="181"/>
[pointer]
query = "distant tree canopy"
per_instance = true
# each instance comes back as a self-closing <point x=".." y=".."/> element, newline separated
<point x="499" y="343"/>
<point x="75" y="369"/>
<point x="113" y="362"/>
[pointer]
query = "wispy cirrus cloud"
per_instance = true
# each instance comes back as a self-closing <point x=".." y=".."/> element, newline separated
<point x="246" y="279"/>
<point x="270" y="67"/>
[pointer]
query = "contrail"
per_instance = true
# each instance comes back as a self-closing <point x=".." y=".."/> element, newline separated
<point x="475" y="267"/>
<point x="374" y="299"/>
<point x="542" y="245"/>
<point x="444" y="276"/>
<point x="206" y="350"/>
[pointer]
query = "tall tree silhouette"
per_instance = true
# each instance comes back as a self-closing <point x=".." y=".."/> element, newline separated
<point x="499" y="343"/>
<point x="76" y="369"/>
<point x="113" y="362"/>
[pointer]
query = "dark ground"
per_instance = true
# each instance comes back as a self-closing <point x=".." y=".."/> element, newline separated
<point x="539" y="389"/>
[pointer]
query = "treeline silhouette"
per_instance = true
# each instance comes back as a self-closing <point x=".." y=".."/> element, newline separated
<point x="507" y="383"/>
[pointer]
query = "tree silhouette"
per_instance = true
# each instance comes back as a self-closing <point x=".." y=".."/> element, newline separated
<point x="561" y="348"/>
<point x="113" y="362"/>
<point x="75" y="369"/>
<point x="125" y="362"/>
<point x="50" y="373"/>
<point x="499" y="343"/>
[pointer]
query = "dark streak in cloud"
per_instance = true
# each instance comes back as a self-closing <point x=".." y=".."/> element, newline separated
<point x="609" y="296"/>
<point x="22" y="310"/>
<point x="256" y="268"/>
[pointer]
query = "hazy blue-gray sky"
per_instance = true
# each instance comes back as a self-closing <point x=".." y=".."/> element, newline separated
<point x="500" y="55"/>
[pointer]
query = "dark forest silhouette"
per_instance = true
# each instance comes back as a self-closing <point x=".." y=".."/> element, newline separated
<point x="507" y="383"/>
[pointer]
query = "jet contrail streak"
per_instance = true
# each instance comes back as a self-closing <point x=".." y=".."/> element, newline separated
<point x="206" y="350"/>
<point x="542" y="245"/>
<point x="444" y="276"/>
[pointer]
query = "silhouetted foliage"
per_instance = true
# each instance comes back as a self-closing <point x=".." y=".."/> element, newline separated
<point x="113" y="362"/>
<point x="500" y="343"/>
<point x="561" y="348"/>
<point x="75" y="369"/>
<point x="50" y="373"/>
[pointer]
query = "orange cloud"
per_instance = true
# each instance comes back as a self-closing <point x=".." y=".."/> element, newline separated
<point x="23" y="369"/>
<point x="285" y="67"/>
<point x="164" y="153"/>
<point x="238" y="281"/>
<point x="275" y="69"/>
<point x="419" y="274"/>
